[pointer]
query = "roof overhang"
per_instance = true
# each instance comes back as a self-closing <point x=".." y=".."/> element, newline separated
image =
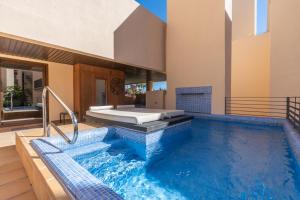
<point x="16" y="46"/>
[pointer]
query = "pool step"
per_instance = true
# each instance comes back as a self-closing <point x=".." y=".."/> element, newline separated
<point x="112" y="166"/>
<point x="99" y="146"/>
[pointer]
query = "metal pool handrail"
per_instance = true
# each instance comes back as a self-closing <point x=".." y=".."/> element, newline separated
<point x="47" y="127"/>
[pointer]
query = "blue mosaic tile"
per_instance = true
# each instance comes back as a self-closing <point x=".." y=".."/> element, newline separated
<point x="146" y="145"/>
<point x="194" y="99"/>
<point x="58" y="155"/>
<point x="241" y="119"/>
<point x="77" y="180"/>
<point x="85" y="137"/>
<point x="293" y="137"/>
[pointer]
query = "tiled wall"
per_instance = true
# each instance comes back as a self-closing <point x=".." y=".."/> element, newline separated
<point x="194" y="99"/>
<point x="148" y="145"/>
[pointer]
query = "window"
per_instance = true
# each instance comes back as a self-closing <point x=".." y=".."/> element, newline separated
<point x="160" y="85"/>
<point x="100" y="92"/>
<point x="261" y="16"/>
<point x="133" y="89"/>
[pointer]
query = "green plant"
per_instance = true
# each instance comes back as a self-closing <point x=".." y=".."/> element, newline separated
<point x="17" y="93"/>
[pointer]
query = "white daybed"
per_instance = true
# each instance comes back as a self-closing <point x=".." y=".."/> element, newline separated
<point x="164" y="113"/>
<point x="130" y="114"/>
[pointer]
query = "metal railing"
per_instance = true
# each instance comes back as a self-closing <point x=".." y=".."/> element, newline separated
<point x="47" y="127"/>
<point x="293" y="111"/>
<point x="274" y="107"/>
<point x="256" y="106"/>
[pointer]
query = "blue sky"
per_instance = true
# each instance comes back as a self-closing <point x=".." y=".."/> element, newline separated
<point x="157" y="7"/>
<point x="160" y="85"/>
<point x="262" y="16"/>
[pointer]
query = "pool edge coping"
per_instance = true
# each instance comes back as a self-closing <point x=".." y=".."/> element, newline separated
<point x="241" y="119"/>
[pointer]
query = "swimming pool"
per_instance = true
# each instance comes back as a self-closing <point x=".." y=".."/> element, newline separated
<point x="215" y="160"/>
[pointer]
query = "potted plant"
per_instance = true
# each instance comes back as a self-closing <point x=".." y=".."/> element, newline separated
<point x="18" y="96"/>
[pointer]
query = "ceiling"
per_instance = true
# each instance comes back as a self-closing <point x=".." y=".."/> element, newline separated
<point x="26" y="49"/>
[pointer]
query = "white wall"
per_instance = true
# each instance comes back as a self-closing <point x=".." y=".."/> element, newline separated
<point x="60" y="79"/>
<point x="141" y="40"/>
<point x="251" y="66"/>
<point x="285" y="47"/>
<point x="10" y="81"/>
<point x="85" y="26"/>
<point x="196" y="48"/>
<point x="243" y="15"/>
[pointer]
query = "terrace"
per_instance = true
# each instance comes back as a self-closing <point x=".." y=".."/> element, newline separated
<point x="138" y="99"/>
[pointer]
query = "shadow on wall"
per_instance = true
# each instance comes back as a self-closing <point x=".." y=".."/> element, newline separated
<point x="140" y="39"/>
<point x="228" y="53"/>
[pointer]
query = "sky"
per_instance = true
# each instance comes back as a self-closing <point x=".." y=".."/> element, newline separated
<point x="160" y="85"/>
<point x="157" y="7"/>
<point x="262" y="17"/>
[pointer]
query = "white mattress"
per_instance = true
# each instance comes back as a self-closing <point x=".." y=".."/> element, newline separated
<point x="125" y="106"/>
<point x="109" y="107"/>
<point x="164" y="113"/>
<point x="125" y="116"/>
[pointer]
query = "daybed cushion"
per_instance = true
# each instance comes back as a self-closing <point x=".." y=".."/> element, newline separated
<point x="164" y="113"/>
<point x="125" y="116"/>
<point x="101" y="107"/>
<point x="125" y="106"/>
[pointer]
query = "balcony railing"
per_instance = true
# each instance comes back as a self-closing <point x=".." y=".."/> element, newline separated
<point x="293" y="111"/>
<point x="274" y="107"/>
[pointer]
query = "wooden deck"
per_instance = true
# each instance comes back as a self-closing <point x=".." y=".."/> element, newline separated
<point x="14" y="183"/>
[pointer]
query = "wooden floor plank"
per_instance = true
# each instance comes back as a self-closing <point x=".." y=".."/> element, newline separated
<point x="17" y="164"/>
<point x="8" y="160"/>
<point x="14" y="183"/>
<point x="11" y="176"/>
<point x="9" y="152"/>
<point x="25" y="196"/>
<point x="13" y="189"/>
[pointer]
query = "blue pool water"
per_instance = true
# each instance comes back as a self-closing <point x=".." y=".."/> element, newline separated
<point x="218" y="160"/>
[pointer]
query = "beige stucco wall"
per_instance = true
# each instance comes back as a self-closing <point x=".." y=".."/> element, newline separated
<point x="7" y="78"/>
<point x="228" y="46"/>
<point x="251" y="66"/>
<point x="243" y="15"/>
<point x="196" y="48"/>
<point x="141" y="40"/>
<point x="285" y="47"/>
<point x="85" y="27"/>
<point x="60" y="79"/>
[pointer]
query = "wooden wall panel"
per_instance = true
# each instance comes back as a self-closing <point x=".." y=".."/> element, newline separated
<point x="85" y="86"/>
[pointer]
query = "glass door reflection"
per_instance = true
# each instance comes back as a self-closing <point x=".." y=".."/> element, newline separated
<point x="101" y="92"/>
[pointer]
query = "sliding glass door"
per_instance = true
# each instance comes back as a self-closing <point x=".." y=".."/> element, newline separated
<point x="101" y="98"/>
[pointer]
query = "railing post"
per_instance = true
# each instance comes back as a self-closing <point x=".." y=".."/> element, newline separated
<point x="44" y="102"/>
<point x="298" y="114"/>
<point x="288" y="108"/>
<point x="225" y="106"/>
